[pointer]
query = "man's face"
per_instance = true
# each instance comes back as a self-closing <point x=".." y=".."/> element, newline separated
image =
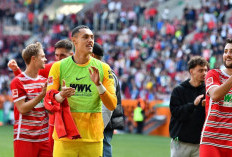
<point x="40" y="60"/>
<point x="227" y="56"/>
<point x="61" y="53"/>
<point x="83" y="41"/>
<point x="198" y="73"/>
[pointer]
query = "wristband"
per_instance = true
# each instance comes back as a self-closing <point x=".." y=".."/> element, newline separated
<point x="101" y="89"/>
<point x="59" y="98"/>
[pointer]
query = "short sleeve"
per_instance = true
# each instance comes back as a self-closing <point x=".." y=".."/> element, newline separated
<point x="108" y="80"/>
<point x="54" y="77"/>
<point x="212" y="80"/>
<point x="17" y="90"/>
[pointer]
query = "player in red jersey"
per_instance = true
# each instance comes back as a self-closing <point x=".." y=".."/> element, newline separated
<point x="216" y="139"/>
<point x="31" y="119"/>
<point x="63" y="49"/>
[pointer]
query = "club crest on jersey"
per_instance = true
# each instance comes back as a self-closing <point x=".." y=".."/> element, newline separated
<point x="110" y="74"/>
<point x="227" y="100"/>
<point x="15" y="93"/>
<point x="50" y="80"/>
<point x="209" y="81"/>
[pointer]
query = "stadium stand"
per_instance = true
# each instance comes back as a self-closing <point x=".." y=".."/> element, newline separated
<point x="146" y="47"/>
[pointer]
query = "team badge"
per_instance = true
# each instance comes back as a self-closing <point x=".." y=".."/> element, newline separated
<point x="50" y="80"/>
<point x="110" y="74"/>
<point x="209" y="81"/>
<point x="15" y="93"/>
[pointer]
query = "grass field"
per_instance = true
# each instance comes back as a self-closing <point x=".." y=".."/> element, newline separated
<point x="124" y="145"/>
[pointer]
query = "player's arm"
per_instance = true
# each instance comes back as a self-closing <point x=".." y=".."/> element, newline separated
<point x="214" y="89"/>
<point x="106" y="89"/>
<point x="54" y="83"/>
<point x="12" y="64"/>
<point x="24" y="107"/>
<point x="19" y="96"/>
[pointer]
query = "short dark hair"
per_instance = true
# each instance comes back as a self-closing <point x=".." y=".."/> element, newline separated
<point x="97" y="49"/>
<point x="31" y="50"/>
<point x="77" y="29"/>
<point x="229" y="41"/>
<point x="197" y="60"/>
<point x="65" y="43"/>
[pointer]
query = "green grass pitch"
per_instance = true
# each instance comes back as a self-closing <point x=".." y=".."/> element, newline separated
<point x="124" y="145"/>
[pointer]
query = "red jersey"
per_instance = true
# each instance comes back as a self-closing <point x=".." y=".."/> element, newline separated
<point x="217" y="130"/>
<point x="44" y="72"/>
<point x="32" y="126"/>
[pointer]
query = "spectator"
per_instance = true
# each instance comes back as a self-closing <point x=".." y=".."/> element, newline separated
<point x="187" y="112"/>
<point x="139" y="118"/>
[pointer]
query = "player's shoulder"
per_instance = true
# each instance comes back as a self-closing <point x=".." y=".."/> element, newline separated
<point x="214" y="72"/>
<point x="49" y="65"/>
<point x="105" y="65"/>
<point x="56" y="64"/>
<point x="14" y="80"/>
<point x="17" y="79"/>
<point x="67" y="59"/>
<point x="99" y="62"/>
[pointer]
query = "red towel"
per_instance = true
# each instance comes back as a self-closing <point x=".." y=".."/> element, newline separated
<point x="64" y="123"/>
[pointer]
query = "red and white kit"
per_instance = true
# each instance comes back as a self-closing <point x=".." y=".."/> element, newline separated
<point x="217" y="130"/>
<point x="32" y="126"/>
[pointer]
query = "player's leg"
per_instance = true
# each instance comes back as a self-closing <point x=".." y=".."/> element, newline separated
<point x="107" y="149"/>
<point x="212" y="151"/>
<point x="180" y="149"/>
<point x="44" y="149"/>
<point x="195" y="150"/>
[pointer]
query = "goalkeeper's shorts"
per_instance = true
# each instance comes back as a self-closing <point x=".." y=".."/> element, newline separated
<point x="77" y="148"/>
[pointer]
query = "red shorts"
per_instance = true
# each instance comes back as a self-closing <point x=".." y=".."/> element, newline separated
<point x="212" y="151"/>
<point x="31" y="149"/>
<point x="51" y="141"/>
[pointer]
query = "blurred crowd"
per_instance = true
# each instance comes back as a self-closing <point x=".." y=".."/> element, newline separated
<point x="148" y="52"/>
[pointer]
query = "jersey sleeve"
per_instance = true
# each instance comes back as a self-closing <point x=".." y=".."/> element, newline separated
<point x="17" y="90"/>
<point x="54" y="77"/>
<point x="109" y="98"/>
<point x="108" y="80"/>
<point x="17" y="72"/>
<point x="212" y="80"/>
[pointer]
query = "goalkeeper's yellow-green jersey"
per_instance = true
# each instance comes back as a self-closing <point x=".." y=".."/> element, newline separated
<point x="86" y="104"/>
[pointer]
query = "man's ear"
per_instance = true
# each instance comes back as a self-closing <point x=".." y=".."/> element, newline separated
<point x="190" y="71"/>
<point x="33" y="58"/>
<point x="74" y="40"/>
